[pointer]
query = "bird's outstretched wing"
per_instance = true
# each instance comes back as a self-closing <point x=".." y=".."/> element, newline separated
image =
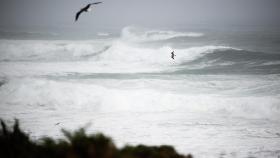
<point x="78" y="14"/>
<point x="95" y="3"/>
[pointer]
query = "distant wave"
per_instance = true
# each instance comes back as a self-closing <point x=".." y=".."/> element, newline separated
<point x="138" y="35"/>
<point x="32" y="50"/>
<point x="8" y="34"/>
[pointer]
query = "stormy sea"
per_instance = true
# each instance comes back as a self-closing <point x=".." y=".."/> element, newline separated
<point x="219" y="96"/>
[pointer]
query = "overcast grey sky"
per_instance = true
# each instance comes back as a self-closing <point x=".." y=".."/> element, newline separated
<point x="149" y="13"/>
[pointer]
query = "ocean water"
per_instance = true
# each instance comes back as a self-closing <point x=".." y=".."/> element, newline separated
<point x="220" y="97"/>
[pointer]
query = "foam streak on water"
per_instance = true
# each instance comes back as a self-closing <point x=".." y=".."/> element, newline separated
<point x="213" y="100"/>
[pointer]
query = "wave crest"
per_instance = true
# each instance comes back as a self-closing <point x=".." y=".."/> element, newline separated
<point x="138" y="35"/>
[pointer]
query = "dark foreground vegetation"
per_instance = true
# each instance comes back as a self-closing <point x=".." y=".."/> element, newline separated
<point x="14" y="143"/>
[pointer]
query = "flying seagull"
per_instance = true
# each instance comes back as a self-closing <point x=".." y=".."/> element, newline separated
<point x="85" y="9"/>
<point x="172" y="55"/>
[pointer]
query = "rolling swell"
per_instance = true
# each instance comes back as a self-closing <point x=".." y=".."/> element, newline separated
<point x="233" y="61"/>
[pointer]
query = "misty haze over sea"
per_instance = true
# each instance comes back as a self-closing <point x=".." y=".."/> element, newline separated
<point x="219" y="97"/>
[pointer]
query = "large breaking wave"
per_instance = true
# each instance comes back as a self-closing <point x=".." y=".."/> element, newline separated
<point x="131" y="55"/>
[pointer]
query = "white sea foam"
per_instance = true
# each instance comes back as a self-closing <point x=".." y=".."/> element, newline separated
<point x="59" y="95"/>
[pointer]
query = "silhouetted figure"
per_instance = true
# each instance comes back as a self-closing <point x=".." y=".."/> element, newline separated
<point x="172" y="55"/>
<point x="85" y="9"/>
